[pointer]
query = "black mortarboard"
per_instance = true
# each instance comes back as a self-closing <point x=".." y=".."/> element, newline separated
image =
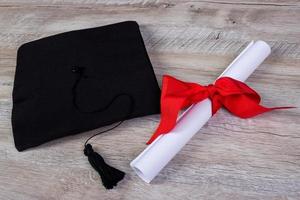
<point x="81" y="80"/>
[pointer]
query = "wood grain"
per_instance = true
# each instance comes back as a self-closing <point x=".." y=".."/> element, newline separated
<point x="229" y="158"/>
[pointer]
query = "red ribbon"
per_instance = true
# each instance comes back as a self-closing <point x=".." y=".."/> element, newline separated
<point x="235" y="96"/>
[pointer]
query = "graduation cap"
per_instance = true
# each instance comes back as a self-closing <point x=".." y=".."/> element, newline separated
<point x="81" y="80"/>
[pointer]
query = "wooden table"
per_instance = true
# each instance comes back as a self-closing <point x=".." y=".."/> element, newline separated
<point x="230" y="158"/>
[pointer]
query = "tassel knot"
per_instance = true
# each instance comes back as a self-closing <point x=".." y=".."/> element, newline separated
<point x="88" y="150"/>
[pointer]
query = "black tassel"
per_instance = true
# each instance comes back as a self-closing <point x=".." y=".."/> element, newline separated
<point x="110" y="176"/>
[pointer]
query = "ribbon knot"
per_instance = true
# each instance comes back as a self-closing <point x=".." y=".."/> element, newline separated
<point x="211" y="89"/>
<point x="235" y="96"/>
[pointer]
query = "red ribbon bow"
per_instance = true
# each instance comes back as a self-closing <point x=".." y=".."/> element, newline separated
<point x="235" y="96"/>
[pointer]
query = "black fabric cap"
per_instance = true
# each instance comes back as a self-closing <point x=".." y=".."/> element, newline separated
<point x="81" y="80"/>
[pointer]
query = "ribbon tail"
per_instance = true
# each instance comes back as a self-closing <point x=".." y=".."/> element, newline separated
<point x="240" y="99"/>
<point x="169" y="113"/>
<point x="173" y="99"/>
<point x="245" y="106"/>
<point x="259" y="109"/>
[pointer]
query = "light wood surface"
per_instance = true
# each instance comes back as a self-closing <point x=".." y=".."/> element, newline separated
<point x="230" y="158"/>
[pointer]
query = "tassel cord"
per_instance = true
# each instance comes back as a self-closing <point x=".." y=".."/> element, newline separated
<point x="80" y="76"/>
<point x="110" y="176"/>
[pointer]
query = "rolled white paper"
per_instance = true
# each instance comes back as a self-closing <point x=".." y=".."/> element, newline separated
<point x="157" y="155"/>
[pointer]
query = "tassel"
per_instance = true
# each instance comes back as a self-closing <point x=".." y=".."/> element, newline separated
<point x="110" y="176"/>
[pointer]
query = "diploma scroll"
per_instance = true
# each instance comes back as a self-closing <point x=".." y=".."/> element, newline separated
<point x="157" y="155"/>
